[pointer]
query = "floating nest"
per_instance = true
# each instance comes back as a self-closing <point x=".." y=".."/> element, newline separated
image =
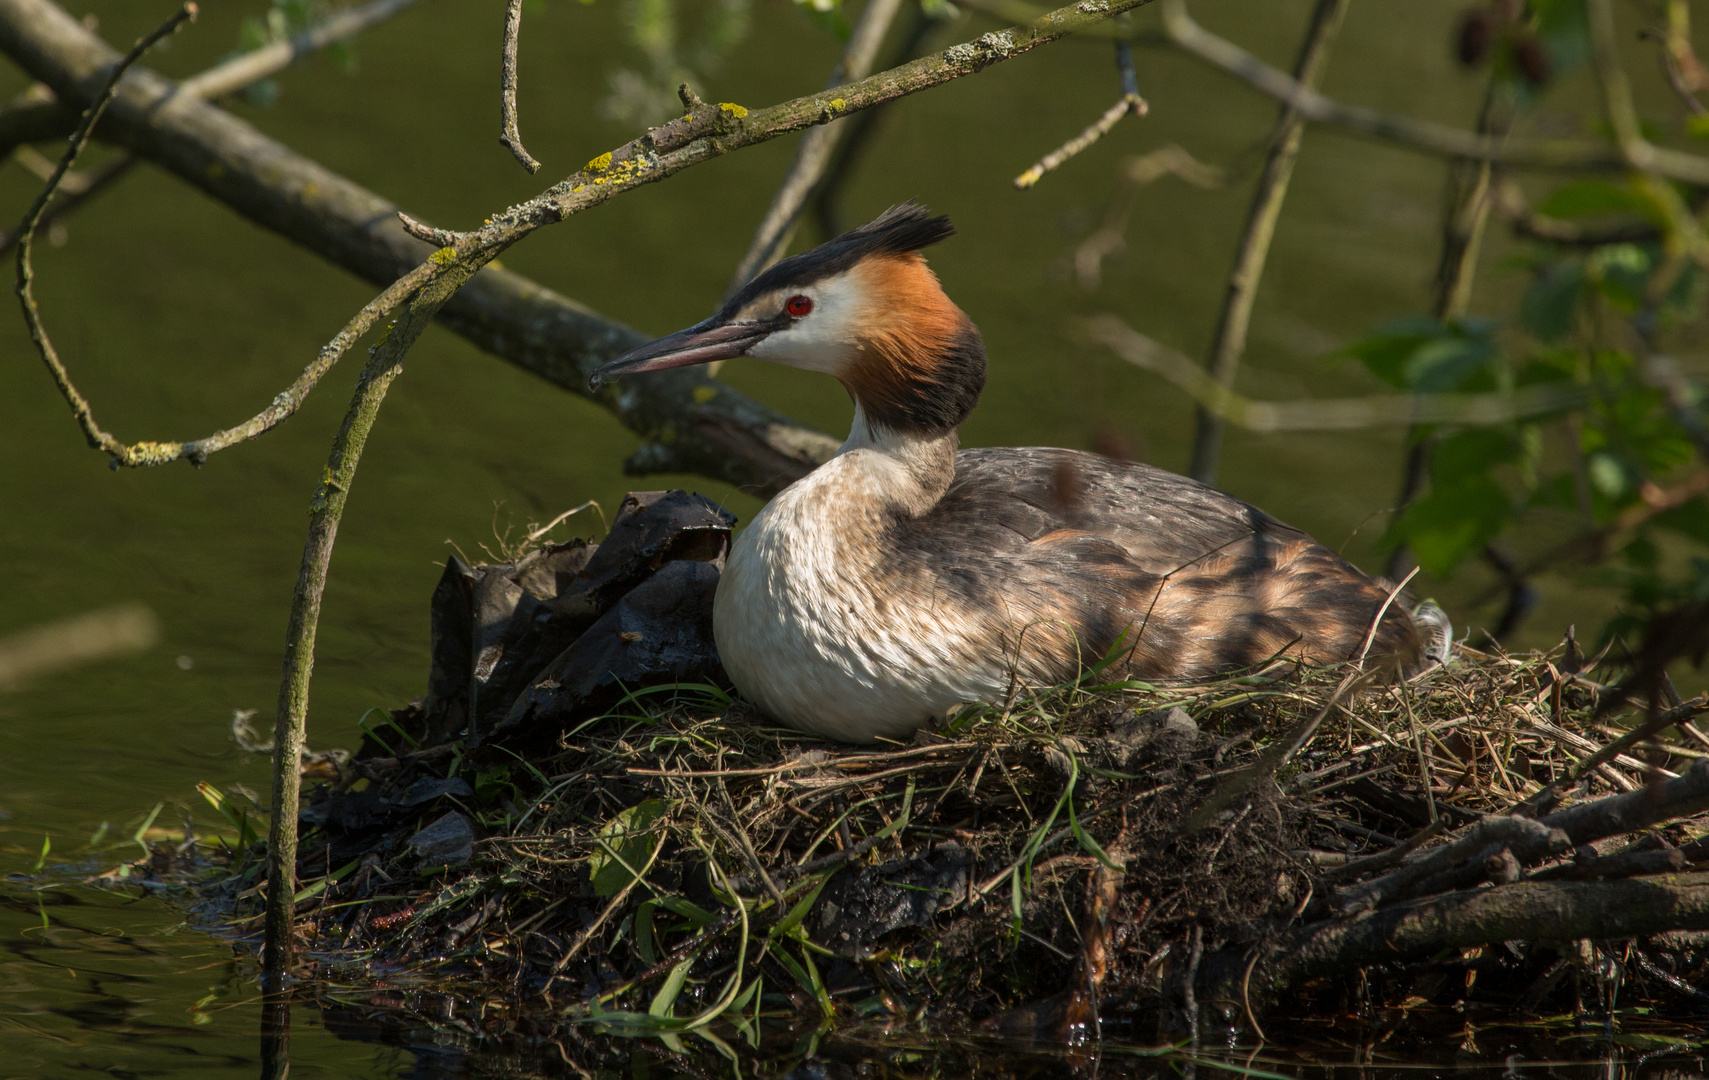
<point x="1504" y="839"/>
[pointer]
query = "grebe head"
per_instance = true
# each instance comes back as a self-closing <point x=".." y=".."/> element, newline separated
<point x="864" y="308"/>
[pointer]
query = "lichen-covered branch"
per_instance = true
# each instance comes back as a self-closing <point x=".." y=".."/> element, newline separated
<point x="290" y="720"/>
<point x="697" y="424"/>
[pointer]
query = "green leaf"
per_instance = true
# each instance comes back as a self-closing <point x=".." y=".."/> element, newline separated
<point x="147" y="823"/>
<point x="320" y="885"/>
<point x="1689" y="519"/>
<point x="1452" y="522"/>
<point x="644" y="940"/>
<point x="41" y="860"/>
<point x="622" y="849"/>
<point x="799" y="911"/>
<point x="1590" y="198"/>
<point x="1089" y="845"/>
<point x="1466" y="455"/>
<point x="1386" y="350"/>
<point x="1546" y="309"/>
<point x="694" y="913"/>
<point x="667" y="995"/>
<point x="1444" y="364"/>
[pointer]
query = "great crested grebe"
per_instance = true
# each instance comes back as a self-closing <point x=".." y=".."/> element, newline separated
<point x="902" y="577"/>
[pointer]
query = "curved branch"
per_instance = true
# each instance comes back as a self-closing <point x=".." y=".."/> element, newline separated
<point x="247" y="69"/>
<point x="142" y="453"/>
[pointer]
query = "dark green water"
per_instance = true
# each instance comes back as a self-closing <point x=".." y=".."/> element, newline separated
<point x="177" y="317"/>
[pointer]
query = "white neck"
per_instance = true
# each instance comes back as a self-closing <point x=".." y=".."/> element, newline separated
<point x="920" y="466"/>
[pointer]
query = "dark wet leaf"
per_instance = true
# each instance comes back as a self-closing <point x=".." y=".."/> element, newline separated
<point x="660" y="632"/>
<point x="449" y="841"/>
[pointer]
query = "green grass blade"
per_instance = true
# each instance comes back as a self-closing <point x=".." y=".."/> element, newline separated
<point x="665" y="999"/>
<point x="147" y="824"/>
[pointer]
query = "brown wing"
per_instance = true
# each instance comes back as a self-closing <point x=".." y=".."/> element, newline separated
<point x="1081" y="548"/>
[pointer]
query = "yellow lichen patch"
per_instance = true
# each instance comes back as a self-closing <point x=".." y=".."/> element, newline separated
<point x="445" y="256"/>
<point x="733" y="109"/>
<point x="599" y="164"/>
<point x="837" y="105"/>
<point x="703" y="394"/>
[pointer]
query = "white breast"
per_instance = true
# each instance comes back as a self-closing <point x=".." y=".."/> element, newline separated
<point x="817" y="632"/>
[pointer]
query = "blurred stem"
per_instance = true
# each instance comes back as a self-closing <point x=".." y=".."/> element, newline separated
<point x="1236" y="315"/>
<point x="815" y="152"/>
<point x="826" y="198"/>
<point x="1470" y="196"/>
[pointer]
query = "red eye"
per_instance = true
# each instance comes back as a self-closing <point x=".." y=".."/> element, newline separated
<point x="798" y="306"/>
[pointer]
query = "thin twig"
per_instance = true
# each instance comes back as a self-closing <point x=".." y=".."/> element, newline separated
<point x="1130" y="104"/>
<point x="509" y="135"/>
<point x="92" y="185"/>
<point x="1463" y="227"/>
<point x="1656" y="724"/>
<point x="26" y="232"/>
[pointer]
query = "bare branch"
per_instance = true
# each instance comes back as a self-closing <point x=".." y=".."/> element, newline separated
<point x="509" y="135"/>
<point x="1525" y="911"/>
<point x="99" y="439"/>
<point x="1332" y="414"/>
<point x="1254" y="251"/>
<point x="1423" y="135"/>
<point x="82" y="638"/>
<point x="33" y="116"/>
<point x="816" y="151"/>
<point x="1510" y="202"/>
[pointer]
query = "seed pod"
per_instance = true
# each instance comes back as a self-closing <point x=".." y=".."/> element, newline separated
<point x="1476" y="29"/>
<point x="1532" y="59"/>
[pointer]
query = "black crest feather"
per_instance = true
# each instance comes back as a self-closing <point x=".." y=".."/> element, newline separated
<point x="904" y="228"/>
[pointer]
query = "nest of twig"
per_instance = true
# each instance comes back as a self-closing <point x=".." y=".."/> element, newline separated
<point x="1131" y="860"/>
